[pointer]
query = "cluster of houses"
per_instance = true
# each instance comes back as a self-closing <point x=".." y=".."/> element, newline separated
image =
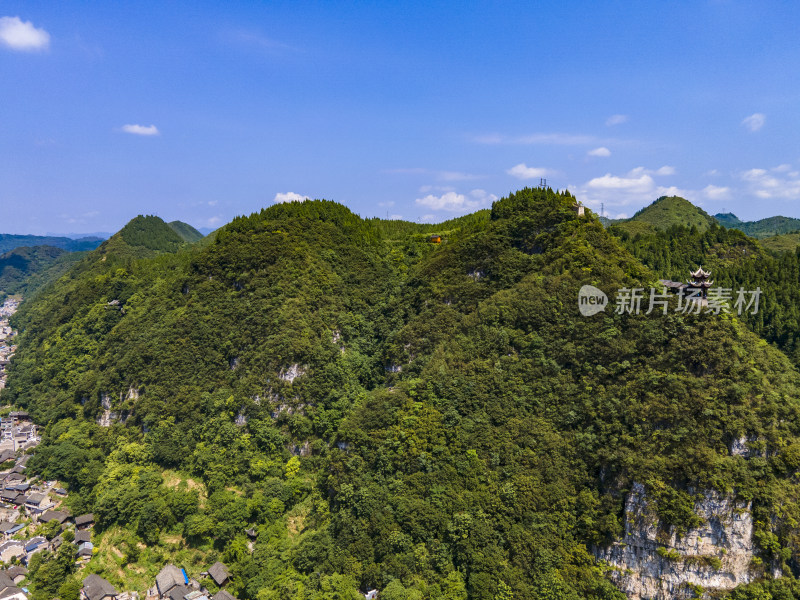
<point x="7" y="348"/>
<point x="172" y="583"/>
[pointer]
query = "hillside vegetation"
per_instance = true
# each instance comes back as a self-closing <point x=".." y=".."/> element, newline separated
<point x="664" y="213"/>
<point x="26" y="269"/>
<point x="432" y="420"/>
<point x="763" y="228"/>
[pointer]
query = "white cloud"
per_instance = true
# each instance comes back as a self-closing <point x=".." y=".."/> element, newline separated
<point x="641" y="184"/>
<point x="22" y="35"/>
<point x="637" y="188"/>
<point x="766" y="185"/>
<point x="711" y="173"/>
<point x="784" y="168"/>
<point x="754" y="122"/>
<point x="715" y="192"/>
<point x="638" y="171"/>
<point x="601" y="151"/>
<point x="454" y="202"/>
<point x="616" y="120"/>
<point x="141" y="129"/>
<point x="290" y="197"/>
<point x="522" y="171"/>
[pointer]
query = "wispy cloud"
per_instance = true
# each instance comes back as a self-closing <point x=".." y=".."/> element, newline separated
<point x="616" y="120"/>
<point x="665" y="170"/>
<point x="454" y="202"/>
<point x="715" y="192"/>
<point x="141" y="129"/>
<point x="439" y="175"/>
<point x="772" y="183"/>
<point x="523" y="171"/>
<point x="555" y="139"/>
<point x="22" y="36"/>
<point x="602" y="151"/>
<point x="290" y="197"/>
<point x="754" y="122"/>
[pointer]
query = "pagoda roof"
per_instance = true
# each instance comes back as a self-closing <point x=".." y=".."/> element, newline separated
<point x="700" y="273"/>
<point x="701" y="284"/>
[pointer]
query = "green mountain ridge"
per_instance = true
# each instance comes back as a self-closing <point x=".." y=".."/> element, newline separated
<point x="431" y="420"/>
<point x="763" y="228"/>
<point x="11" y="241"/>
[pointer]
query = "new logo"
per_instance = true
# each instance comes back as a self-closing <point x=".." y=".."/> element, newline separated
<point x="591" y="300"/>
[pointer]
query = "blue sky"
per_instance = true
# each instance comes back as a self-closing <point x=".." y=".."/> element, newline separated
<point x="202" y="111"/>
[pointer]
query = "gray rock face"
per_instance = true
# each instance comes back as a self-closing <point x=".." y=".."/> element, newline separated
<point x="714" y="556"/>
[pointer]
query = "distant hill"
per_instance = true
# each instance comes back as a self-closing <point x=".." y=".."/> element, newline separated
<point x="152" y="233"/>
<point x="763" y="228"/>
<point x="186" y="231"/>
<point x="663" y="214"/>
<point x="10" y="241"/>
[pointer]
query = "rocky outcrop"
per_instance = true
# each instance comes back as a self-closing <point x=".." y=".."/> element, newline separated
<point x="653" y="562"/>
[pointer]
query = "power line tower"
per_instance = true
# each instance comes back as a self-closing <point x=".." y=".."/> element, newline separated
<point x="602" y="209"/>
<point x="542" y="183"/>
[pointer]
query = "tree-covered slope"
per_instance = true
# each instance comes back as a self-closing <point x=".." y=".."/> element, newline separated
<point x="17" y="265"/>
<point x="763" y="228"/>
<point x="664" y="213"/>
<point x="186" y="231"/>
<point x="434" y="420"/>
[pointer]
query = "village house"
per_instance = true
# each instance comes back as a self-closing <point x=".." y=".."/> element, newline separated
<point x="97" y="588"/>
<point x="10" y="549"/>
<point x="54" y="515"/>
<point x="81" y="537"/>
<point x="84" y="521"/>
<point x="17" y="573"/>
<point x="169" y="578"/>
<point x="219" y="573"/>
<point x="223" y="595"/>
<point x="37" y="503"/>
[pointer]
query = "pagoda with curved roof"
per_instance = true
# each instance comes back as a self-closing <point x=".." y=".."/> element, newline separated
<point x="700" y="280"/>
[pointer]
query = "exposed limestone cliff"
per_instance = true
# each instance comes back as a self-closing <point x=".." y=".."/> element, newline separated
<point x="652" y="562"/>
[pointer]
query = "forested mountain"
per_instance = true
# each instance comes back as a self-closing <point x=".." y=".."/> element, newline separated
<point x="763" y="228"/>
<point x="432" y="420"/>
<point x="10" y="241"/>
<point x="664" y="213"/>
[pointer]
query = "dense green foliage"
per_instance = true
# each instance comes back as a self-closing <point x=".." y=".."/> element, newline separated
<point x="186" y="231"/>
<point x="27" y="269"/>
<point x="763" y="228"/>
<point x="436" y="421"/>
<point x="10" y="241"/>
<point x="664" y="213"/>
<point x="786" y="242"/>
<point x="736" y="261"/>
